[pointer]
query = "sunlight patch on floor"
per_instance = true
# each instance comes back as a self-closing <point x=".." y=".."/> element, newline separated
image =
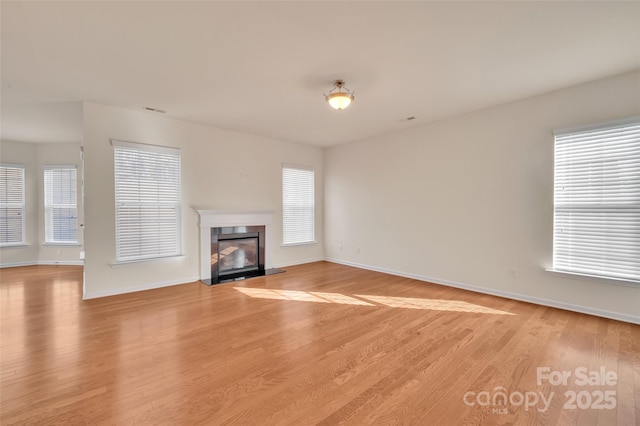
<point x="391" y="301"/>
<point x="431" y="304"/>
<point x="341" y="298"/>
<point x="301" y="296"/>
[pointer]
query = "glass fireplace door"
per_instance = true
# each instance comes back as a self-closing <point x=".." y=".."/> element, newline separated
<point x="237" y="255"/>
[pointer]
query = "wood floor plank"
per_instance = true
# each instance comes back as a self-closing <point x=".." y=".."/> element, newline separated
<point x="320" y="344"/>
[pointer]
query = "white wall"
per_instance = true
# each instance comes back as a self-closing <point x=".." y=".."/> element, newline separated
<point x="35" y="157"/>
<point x="467" y="200"/>
<point x="222" y="170"/>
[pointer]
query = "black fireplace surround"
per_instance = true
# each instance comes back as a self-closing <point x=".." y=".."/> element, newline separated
<point x="237" y="252"/>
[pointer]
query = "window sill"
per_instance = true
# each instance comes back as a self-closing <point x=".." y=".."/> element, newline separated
<point x="308" y="243"/>
<point x="17" y="245"/>
<point x="61" y="244"/>
<point x="118" y="264"/>
<point x="596" y="278"/>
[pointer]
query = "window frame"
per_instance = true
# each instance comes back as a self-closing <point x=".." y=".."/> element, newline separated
<point x="121" y="203"/>
<point x="21" y="205"/>
<point x="589" y="203"/>
<point x="312" y="207"/>
<point x="49" y="206"/>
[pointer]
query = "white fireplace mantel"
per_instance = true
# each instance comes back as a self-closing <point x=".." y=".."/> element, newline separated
<point x="221" y="218"/>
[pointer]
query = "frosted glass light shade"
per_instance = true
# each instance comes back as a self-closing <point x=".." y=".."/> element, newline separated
<point x="339" y="100"/>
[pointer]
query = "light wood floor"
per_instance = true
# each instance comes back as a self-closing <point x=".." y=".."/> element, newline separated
<point x="321" y="344"/>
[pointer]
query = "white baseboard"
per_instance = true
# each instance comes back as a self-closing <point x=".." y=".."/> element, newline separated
<point x="14" y="264"/>
<point x="301" y="262"/>
<point x="43" y="262"/>
<point x="509" y="295"/>
<point x="61" y="262"/>
<point x="133" y="289"/>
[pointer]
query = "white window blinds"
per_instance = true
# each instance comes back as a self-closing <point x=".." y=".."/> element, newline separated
<point x="147" y="195"/>
<point x="597" y="202"/>
<point x="11" y="204"/>
<point x="60" y="204"/>
<point x="298" y="205"/>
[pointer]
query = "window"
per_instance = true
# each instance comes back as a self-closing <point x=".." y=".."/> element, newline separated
<point x="597" y="201"/>
<point x="147" y="195"/>
<point x="60" y="205"/>
<point x="298" y="205"/>
<point x="11" y="204"/>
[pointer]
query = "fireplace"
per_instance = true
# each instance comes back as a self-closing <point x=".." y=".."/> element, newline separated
<point x="237" y="252"/>
<point x="235" y="245"/>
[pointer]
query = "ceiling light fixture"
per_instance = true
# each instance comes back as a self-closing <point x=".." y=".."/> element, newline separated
<point x="337" y="98"/>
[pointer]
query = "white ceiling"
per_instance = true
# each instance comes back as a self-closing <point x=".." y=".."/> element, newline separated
<point x="262" y="67"/>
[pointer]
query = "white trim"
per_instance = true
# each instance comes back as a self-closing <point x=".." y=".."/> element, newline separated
<point x="60" y="244"/>
<point x="144" y="287"/>
<point x="59" y="166"/>
<point x="298" y="167"/>
<point x="50" y="206"/>
<point x="145" y="146"/>
<point x="140" y="191"/>
<point x="14" y="245"/>
<point x="306" y="243"/>
<point x="223" y="218"/>
<point x="43" y="262"/>
<point x="596" y="278"/>
<point x="298" y="192"/>
<point x="16" y="264"/>
<point x="118" y="264"/>
<point x="22" y="205"/>
<point x="61" y="262"/>
<point x="14" y="165"/>
<point x="634" y="319"/>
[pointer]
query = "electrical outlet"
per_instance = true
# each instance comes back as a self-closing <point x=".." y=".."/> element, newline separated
<point x="357" y="250"/>
<point x="341" y="248"/>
